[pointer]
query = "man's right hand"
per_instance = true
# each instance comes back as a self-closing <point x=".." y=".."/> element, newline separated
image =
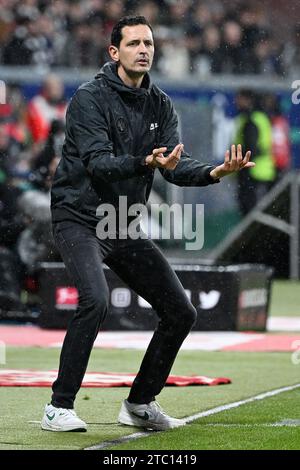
<point x="157" y="159"/>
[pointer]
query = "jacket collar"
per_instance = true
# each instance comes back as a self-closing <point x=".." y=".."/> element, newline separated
<point x="110" y="74"/>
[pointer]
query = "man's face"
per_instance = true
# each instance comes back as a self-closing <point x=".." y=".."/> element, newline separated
<point x="54" y="89"/>
<point x="243" y="103"/>
<point x="136" y="50"/>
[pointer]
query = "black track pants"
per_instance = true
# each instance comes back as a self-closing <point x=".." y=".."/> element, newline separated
<point x="143" y="267"/>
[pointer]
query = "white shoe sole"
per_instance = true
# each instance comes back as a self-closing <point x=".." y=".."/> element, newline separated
<point x="51" y="427"/>
<point x="126" y="419"/>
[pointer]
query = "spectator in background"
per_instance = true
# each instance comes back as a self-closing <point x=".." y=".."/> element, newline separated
<point x="46" y="53"/>
<point x="203" y="37"/>
<point x="50" y="104"/>
<point x="96" y="10"/>
<point x="15" y="142"/>
<point x="281" y="142"/>
<point x="252" y="21"/>
<point x="211" y="57"/>
<point x="45" y="164"/>
<point x="291" y="53"/>
<point x="75" y="13"/>
<point x="217" y="10"/>
<point x="193" y="46"/>
<point x="268" y="56"/>
<point x="14" y="115"/>
<point x="17" y="49"/>
<point x="31" y="42"/>
<point x="10" y="227"/>
<point x="14" y="146"/>
<point x="6" y="22"/>
<point x="178" y="17"/>
<point x="231" y="48"/>
<point x="39" y="33"/>
<point x="174" y="57"/>
<point x="254" y="131"/>
<point x="253" y="24"/>
<point x="9" y="149"/>
<point x="150" y="10"/>
<point x="113" y="11"/>
<point x="202" y="14"/>
<point x="57" y="11"/>
<point x="82" y="51"/>
<point x="174" y="60"/>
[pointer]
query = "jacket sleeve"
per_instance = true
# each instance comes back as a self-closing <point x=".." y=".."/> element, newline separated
<point x="188" y="172"/>
<point x="89" y="130"/>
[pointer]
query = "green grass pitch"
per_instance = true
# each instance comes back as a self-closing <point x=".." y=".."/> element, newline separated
<point x="251" y="373"/>
<point x="272" y="423"/>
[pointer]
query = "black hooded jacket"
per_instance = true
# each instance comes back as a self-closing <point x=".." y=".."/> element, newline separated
<point x="110" y="129"/>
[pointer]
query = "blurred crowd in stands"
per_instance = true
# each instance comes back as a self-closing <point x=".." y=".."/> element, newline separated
<point x="31" y="139"/>
<point x="191" y="36"/>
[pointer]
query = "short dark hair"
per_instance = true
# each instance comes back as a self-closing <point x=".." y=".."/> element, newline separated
<point x="116" y="34"/>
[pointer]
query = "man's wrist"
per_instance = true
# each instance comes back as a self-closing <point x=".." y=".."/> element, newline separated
<point x="213" y="174"/>
<point x="141" y="165"/>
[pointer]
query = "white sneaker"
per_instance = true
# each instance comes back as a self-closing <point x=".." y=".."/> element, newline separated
<point x="61" y="419"/>
<point x="148" y="416"/>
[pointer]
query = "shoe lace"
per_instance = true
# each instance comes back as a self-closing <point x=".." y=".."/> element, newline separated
<point x="66" y="412"/>
<point x="158" y="409"/>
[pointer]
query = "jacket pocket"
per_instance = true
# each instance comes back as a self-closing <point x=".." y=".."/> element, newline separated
<point x="88" y="199"/>
<point x="84" y="194"/>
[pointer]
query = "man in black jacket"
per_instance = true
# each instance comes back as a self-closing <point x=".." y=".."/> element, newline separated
<point x="119" y="129"/>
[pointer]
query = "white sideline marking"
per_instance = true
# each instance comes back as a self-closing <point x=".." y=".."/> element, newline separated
<point x="286" y="423"/>
<point x="203" y="414"/>
<point x="236" y="404"/>
<point x="121" y="440"/>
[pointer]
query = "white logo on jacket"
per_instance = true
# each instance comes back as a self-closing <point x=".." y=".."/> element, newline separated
<point x="209" y="300"/>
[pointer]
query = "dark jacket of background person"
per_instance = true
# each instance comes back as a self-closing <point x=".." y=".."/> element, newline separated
<point x="44" y="166"/>
<point x="11" y="223"/>
<point x="110" y="130"/>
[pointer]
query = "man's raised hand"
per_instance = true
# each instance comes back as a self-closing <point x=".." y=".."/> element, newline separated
<point x="232" y="162"/>
<point x="157" y="159"/>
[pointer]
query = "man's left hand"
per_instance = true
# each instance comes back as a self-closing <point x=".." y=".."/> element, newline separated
<point x="232" y="162"/>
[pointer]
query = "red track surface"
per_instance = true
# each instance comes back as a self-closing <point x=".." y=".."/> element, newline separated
<point x="36" y="337"/>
